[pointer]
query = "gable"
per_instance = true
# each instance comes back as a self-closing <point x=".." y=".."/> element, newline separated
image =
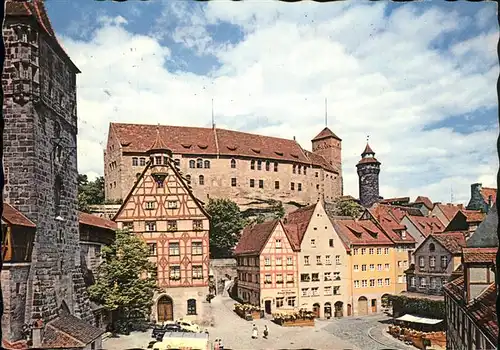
<point x="458" y="223"/>
<point x="174" y="190"/>
<point x="271" y="246"/>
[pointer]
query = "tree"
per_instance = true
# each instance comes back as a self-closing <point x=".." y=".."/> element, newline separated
<point x="346" y="207"/>
<point x="225" y="226"/>
<point x="279" y="211"/>
<point x="126" y="279"/>
<point x="90" y="192"/>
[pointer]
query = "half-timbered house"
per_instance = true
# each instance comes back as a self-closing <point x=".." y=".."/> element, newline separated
<point x="266" y="257"/>
<point x="163" y="211"/>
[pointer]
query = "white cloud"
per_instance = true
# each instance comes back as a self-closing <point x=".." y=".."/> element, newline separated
<point x="381" y="77"/>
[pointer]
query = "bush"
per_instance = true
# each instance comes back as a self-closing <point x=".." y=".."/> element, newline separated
<point x="420" y="307"/>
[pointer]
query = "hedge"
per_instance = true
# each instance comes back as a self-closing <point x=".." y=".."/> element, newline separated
<point x="419" y="307"/>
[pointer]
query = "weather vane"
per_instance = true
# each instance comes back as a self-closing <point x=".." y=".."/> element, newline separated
<point x="367" y="138"/>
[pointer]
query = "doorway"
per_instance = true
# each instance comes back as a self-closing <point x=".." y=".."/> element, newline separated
<point x="165" y="309"/>
<point x="362" y="306"/>
<point x="349" y="310"/>
<point x="267" y="306"/>
<point x="374" y="306"/>
<point x="316" y="311"/>
<point x="339" y="309"/>
<point x="328" y="310"/>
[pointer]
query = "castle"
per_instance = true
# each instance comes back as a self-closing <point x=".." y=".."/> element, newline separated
<point x="252" y="170"/>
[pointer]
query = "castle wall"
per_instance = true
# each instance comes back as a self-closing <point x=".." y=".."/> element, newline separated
<point x="14" y="287"/>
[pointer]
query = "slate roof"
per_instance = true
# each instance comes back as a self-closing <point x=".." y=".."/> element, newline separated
<point x="479" y="255"/>
<point x="425" y="201"/>
<point x="69" y="331"/>
<point x="486" y="232"/>
<point x="97" y="221"/>
<point x="451" y="241"/>
<point x="426" y="225"/>
<point x="213" y="141"/>
<point x="14" y="217"/>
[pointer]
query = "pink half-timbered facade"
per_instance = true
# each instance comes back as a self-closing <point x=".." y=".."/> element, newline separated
<point x="267" y="266"/>
<point x="162" y="210"/>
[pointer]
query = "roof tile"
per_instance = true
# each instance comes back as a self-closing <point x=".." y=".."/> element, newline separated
<point x="425" y="201"/>
<point x="473" y="216"/>
<point x="97" y="221"/>
<point x="301" y="218"/>
<point x="451" y="241"/>
<point x="486" y="192"/>
<point x="479" y="255"/>
<point x="390" y="224"/>
<point x="254" y="237"/>
<point x="15" y="217"/>
<point x="69" y="331"/>
<point x="427" y="224"/>
<point x="325" y="133"/>
<point x="449" y="210"/>
<point x="360" y="232"/>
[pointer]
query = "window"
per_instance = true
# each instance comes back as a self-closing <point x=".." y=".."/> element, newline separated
<point x="197" y="225"/>
<point x="328" y="290"/>
<point x="294" y="169"/>
<point x="304" y="277"/>
<point x="177" y="162"/>
<point x="233" y="164"/>
<point x="318" y="259"/>
<point x="330" y="242"/>
<point x="276" y="185"/>
<point x="337" y="259"/>
<point x="142" y="161"/>
<point x="197" y="248"/>
<point x="252" y="165"/>
<point x="172" y="204"/>
<point x="197" y="272"/>
<point x="279" y="278"/>
<point x="305" y="292"/>
<point x="372" y="282"/>
<point x="315" y="291"/>
<point x="356" y="284"/>
<point x="289" y="278"/>
<point x="299" y="187"/>
<point x="289" y="261"/>
<point x="171" y="225"/>
<point x="355" y="251"/>
<point x="267" y="261"/>
<point x="336" y="276"/>
<point x="192" y="164"/>
<point x="57" y="194"/>
<point x="306" y="260"/>
<point x="313" y="243"/>
<point x="305" y="170"/>
<point x="363" y="251"/>
<point x="252" y="183"/>
<point x="261" y="183"/>
<point x="158" y="160"/>
<point x="206" y="164"/>
<point x="267" y="278"/>
<point x="386" y="251"/>
<point x="315" y="277"/>
<point x="432" y="247"/>
<point x="152" y="249"/>
<point x="328" y="276"/>
<point x="363" y="267"/>
<point x="292" y="186"/>
<point x="387" y="267"/>
<point x="364" y="283"/>
<point x="371" y="251"/>
<point x="278" y="243"/>
<point x="279" y="261"/>
<point x="135" y="161"/>
<point x="175" y="273"/>
<point x="233" y="182"/>
<point x="188" y="179"/>
<point x="421" y="261"/>
<point x="432" y="261"/>
<point x="336" y="290"/>
<point x="268" y="165"/>
<point x="372" y="267"/>
<point x="299" y="168"/>
<point x="327" y="260"/>
<point x="275" y="166"/>
<point x="423" y="282"/>
<point x="379" y="267"/>
<point x="191" y="307"/>
<point x="150" y="205"/>
<point x="199" y="163"/>
<point x="387" y="281"/>
<point x="201" y="180"/>
<point x="379" y="251"/>
<point x="356" y="267"/>
<point x="316" y="174"/>
<point x="174" y="249"/>
<point x="150" y="226"/>
<point x="444" y="261"/>
<point x="279" y="302"/>
<point x="259" y="165"/>
<point x="379" y="282"/>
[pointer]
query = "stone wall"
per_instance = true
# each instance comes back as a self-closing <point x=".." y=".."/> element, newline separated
<point x="222" y="270"/>
<point x="476" y="201"/>
<point x="368" y="183"/>
<point x="14" y="288"/>
<point x="40" y="160"/>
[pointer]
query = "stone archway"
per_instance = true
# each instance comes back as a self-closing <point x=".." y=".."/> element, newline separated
<point x="339" y="309"/>
<point x="362" y="306"/>
<point x="165" y="309"/>
<point x="316" y="310"/>
<point x="328" y="310"/>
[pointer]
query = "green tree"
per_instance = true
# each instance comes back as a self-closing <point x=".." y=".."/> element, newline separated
<point x="346" y="207"/>
<point x="225" y="226"/>
<point x="279" y="211"/>
<point x="126" y="279"/>
<point x="90" y="192"/>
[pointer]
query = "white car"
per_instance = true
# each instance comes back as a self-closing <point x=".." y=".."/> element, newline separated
<point x="189" y="326"/>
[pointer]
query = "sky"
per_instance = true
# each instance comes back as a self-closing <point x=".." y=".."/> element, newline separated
<point x="418" y="78"/>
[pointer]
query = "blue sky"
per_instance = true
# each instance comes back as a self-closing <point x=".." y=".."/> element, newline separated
<point x="419" y="78"/>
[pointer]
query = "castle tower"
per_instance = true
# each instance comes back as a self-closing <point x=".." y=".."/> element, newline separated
<point x="40" y="158"/>
<point x="329" y="145"/>
<point x="368" y="172"/>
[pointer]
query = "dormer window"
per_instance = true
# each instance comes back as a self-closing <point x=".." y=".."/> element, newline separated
<point x="252" y="165"/>
<point x="206" y="164"/>
<point x="268" y="165"/>
<point x="142" y="161"/>
<point x="233" y="164"/>
<point x="275" y="166"/>
<point x="403" y="234"/>
<point x="158" y="160"/>
<point x="192" y="164"/>
<point x="259" y="165"/>
<point x="294" y="169"/>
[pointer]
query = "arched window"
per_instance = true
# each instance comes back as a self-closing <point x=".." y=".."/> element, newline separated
<point x="199" y="163"/>
<point x="432" y="247"/>
<point x="259" y="165"/>
<point x="135" y="161"/>
<point x="57" y="194"/>
<point x="188" y="179"/>
<point x="233" y="164"/>
<point x="207" y="164"/>
<point x="191" y="307"/>
<point x="191" y="164"/>
<point x="201" y="180"/>
<point x="252" y="165"/>
<point x="268" y="165"/>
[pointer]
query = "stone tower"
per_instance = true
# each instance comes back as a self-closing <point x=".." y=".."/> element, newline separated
<point x="329" y="145"/>
<point x="40" y="161"/>
<point x="368" y="172"/>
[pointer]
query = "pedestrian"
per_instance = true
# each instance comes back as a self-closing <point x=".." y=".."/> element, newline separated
<point x="216" y="344"/>
<point x="221" y="346"/>
<point x="266" y="332"/>
<point x="255" y="332"/>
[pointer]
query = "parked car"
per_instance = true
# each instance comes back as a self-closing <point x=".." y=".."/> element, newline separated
<point x="189" y="326"/>
<point x="160" y="329"/>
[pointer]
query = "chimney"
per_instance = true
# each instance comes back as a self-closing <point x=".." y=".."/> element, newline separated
<point x="294" y="138"/>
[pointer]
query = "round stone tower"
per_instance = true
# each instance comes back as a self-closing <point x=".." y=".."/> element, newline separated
<point x="368" y="171"/>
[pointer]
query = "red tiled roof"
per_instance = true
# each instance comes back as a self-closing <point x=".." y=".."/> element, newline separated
<point x="425" y="201"/>
<point x="319" y="161"/>
<point x="254" y="237"/>
<point x="479" y="255"/>
<point x="486" y="192"/>
<point x="14" y="217"/>
<point x="398" y="212"/>
<point x="368" y="150"/>
<point x="17" y="345"/>
<point x="427" y="225"/>
<point x="158" y="144"/>
<point x="94" y="220"/>
<point x="368" y="160"/>
<point x="300" y="218"/>
<point x="396" y="199"/>
<point x="451" y="241"/>
<point x="360" y="232"/>
<point x="292" y="232"/>
<point x="69" y="332"/>
<point x="391" y="225"/>
<point x="449" y="210"/>
<point x="473" y="216"/>
<point x="212" y="141"/>
<point x="325" y="133"/>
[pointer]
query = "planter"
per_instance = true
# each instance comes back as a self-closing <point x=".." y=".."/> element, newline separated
<point x="297" y="323"/>
<point x="256" y="315"/>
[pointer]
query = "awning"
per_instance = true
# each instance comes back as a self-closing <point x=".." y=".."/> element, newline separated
<point x="416" y="319"/>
